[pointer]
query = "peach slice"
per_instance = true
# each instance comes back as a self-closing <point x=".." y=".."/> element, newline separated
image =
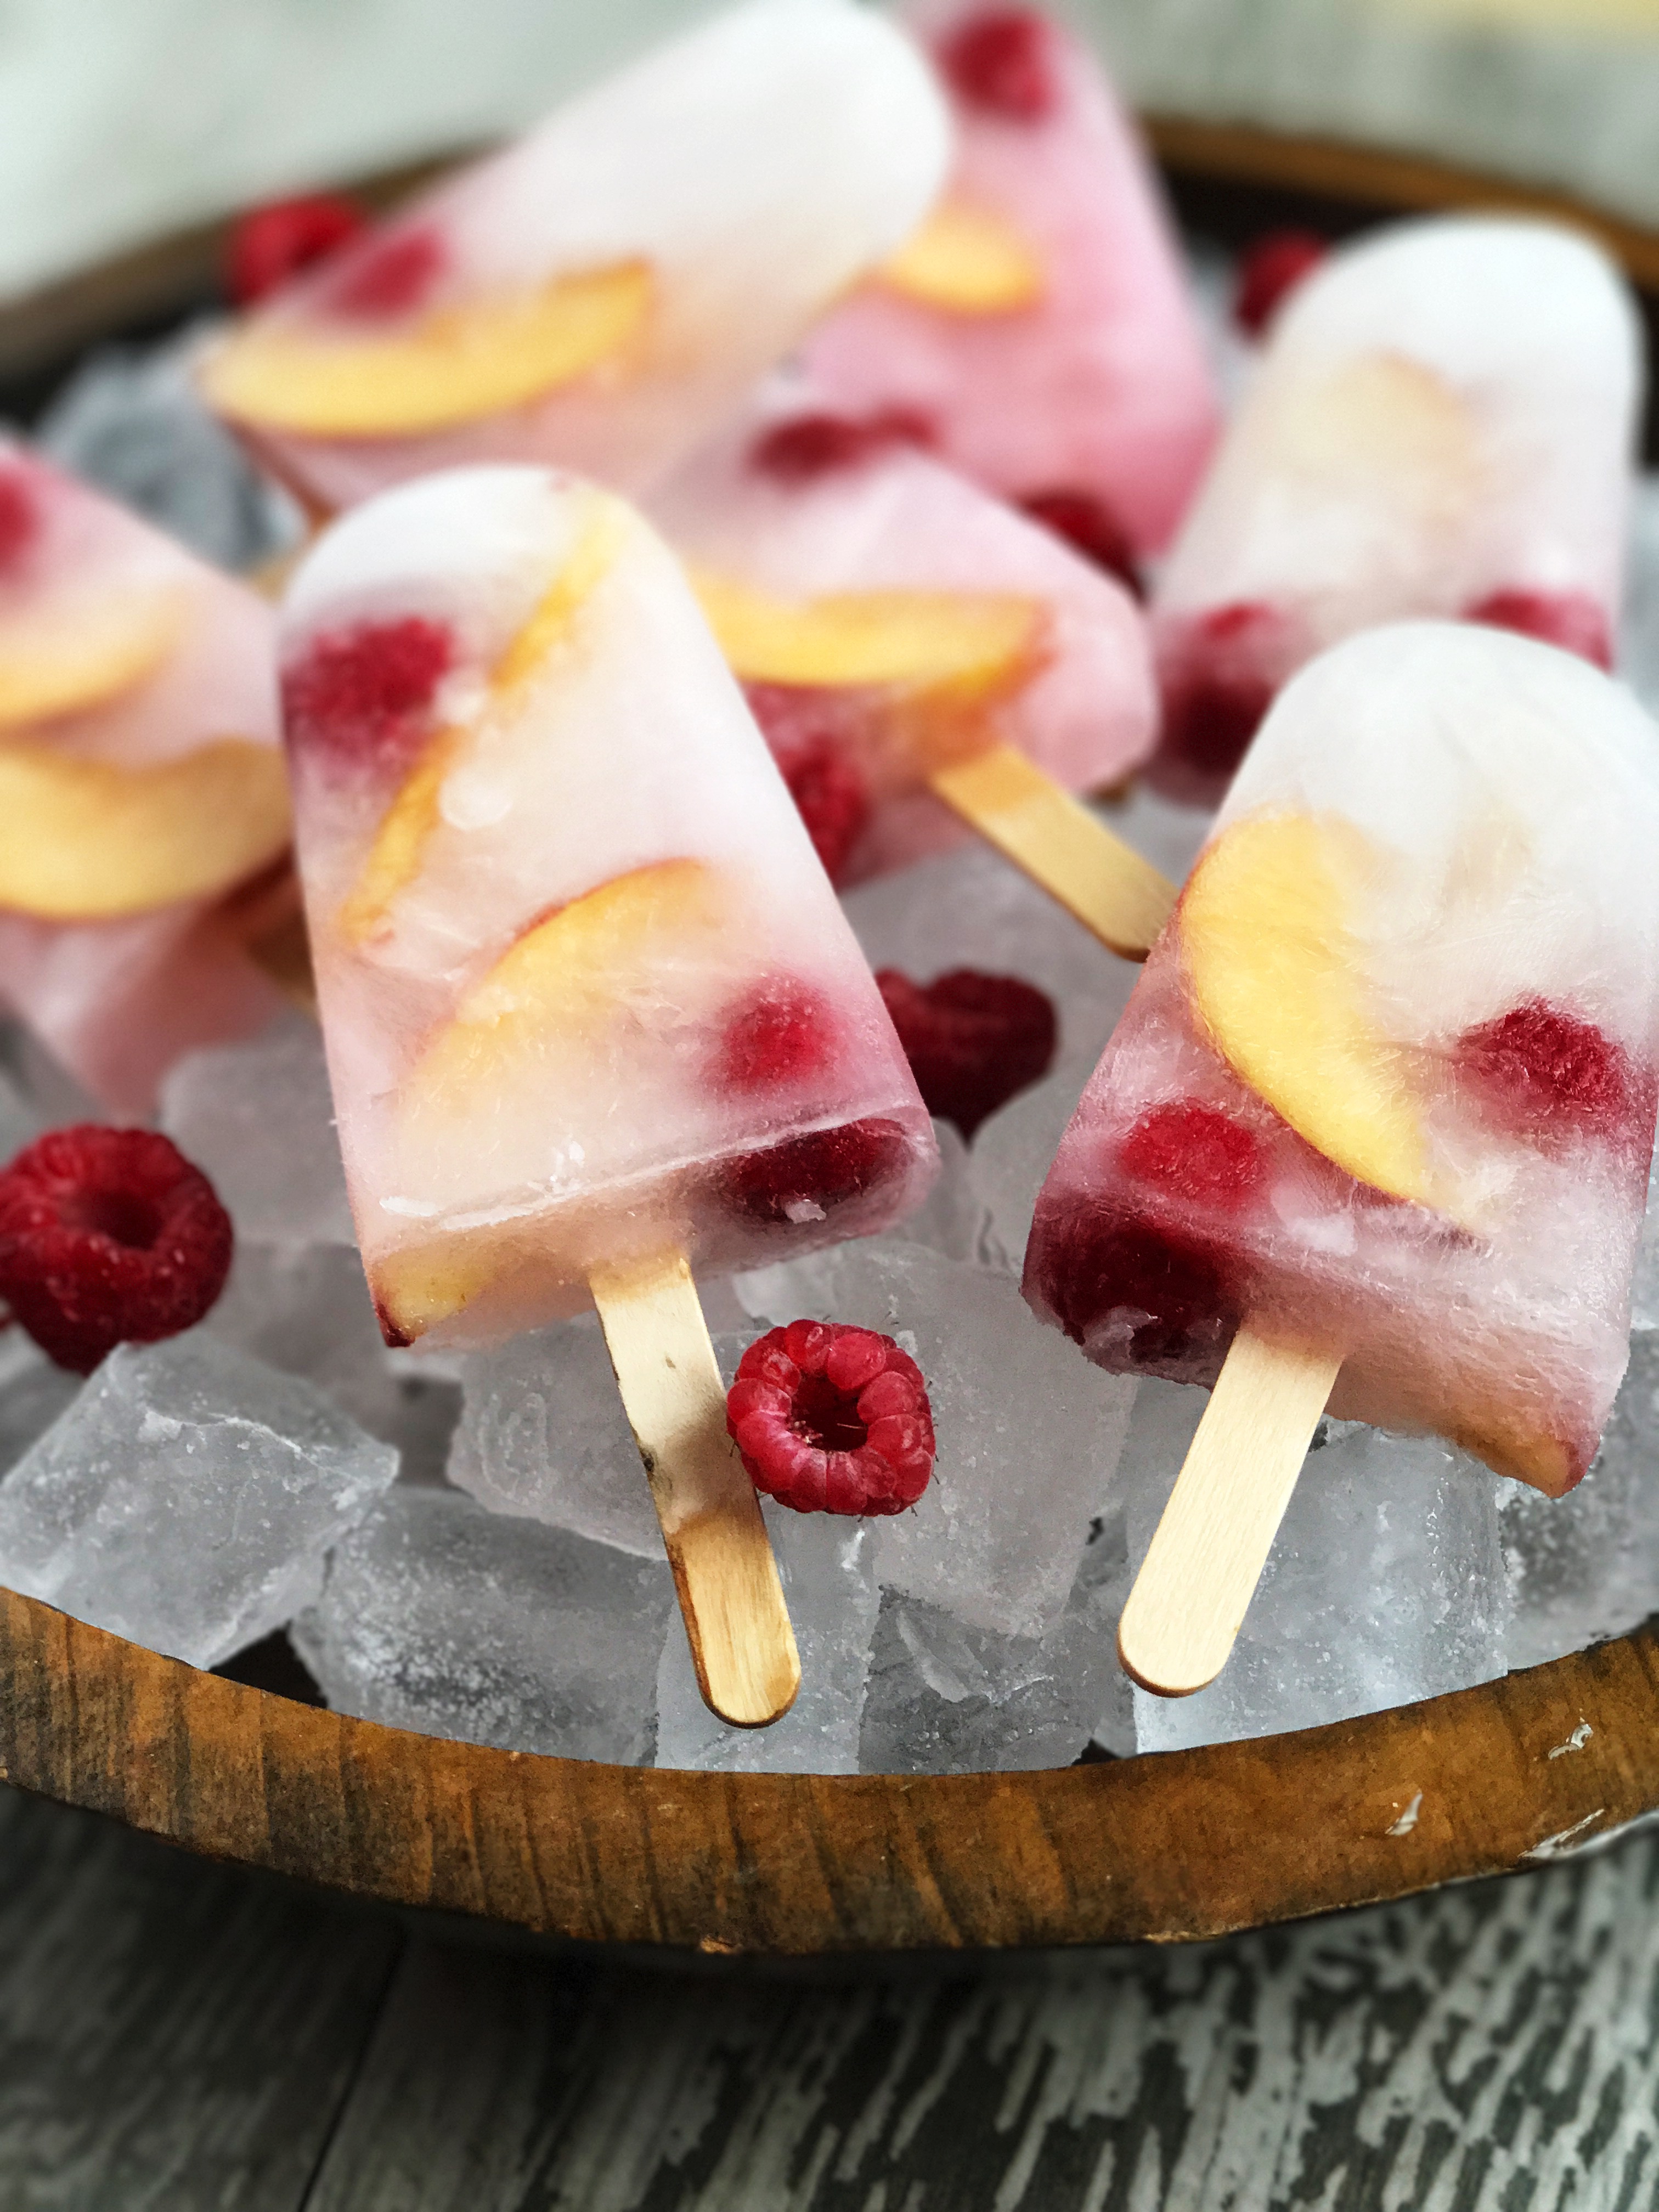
<point x="419" y="1286"/>
<point x="970" y="641"/>
<point x="965" y="261"/>
<point x="85" y="840"/>
<point x="1275" y="975"/>
<point x="1385" y="417"/>
<point x="454" y="365"/>
<point x="77" y="653"/>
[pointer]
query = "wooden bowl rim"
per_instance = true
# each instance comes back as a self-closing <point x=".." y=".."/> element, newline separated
<point x="1164" y="1847"/>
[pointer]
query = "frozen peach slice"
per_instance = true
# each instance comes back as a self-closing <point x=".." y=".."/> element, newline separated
<point x="456" y="364"/>
<point x="417" y="1286"/>
<point x="1275" y="976"/>
<point x="970" y="641"/>
<point x="1387" y="418"/>
<point x="965" y="261"/>
<point x="77" y="653"/>
<point x="85" y="840"/>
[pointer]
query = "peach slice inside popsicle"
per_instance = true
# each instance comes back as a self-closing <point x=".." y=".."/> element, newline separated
<point x="85" y="840"/>
<point x="456" y="364"/>
<point x="1276" y="976"/>
<point x="965" y="260"/>
<point x="79" y="652"/>
<point x="971" y="641"/>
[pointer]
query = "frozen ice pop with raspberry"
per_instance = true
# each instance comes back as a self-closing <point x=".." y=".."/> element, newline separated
<point x="593" y="1012"/>
<point x="1037" y="327"/>
<point x="914" y="650"/>
<point x="143" y="805"/>
<point x="597" y="295"/>
<point x="1443" y="423"/>
<point x="1376" y="1123"/>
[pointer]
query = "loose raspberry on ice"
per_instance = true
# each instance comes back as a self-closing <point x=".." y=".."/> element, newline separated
<point x="272" y="243"/>
<point x="108" y="1236"/>
<point x="832" y="1419"/>
<point x="972" y="1040"/>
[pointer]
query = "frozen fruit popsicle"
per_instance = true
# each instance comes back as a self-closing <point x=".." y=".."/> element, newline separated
<point x="1443" y="423"/>
<point x="915" y="651"/>
<point x="143" y="805"/>
<point x="600" y="293"/>
<point x="1038" y="323"/>
<point x="591" y="1010"/>
<point x="1380" y="1112"/>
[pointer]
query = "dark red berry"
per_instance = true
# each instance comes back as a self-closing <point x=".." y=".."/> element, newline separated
<point x="807" y="1178"/>
<point x="1089" y="527"/>
<point x="1152" y="1301"/>
<point x="817" y="445"/>
<point x="972" y="1040"/>
<point x="19" y="517"/>
<point x="270" y="244"/>
<point x="809" y="734"/>
<point x="1001" y="62"/>
<point x="783" y="1033"/>
<point x="363" y="693"/>
<point x="388" y="274"/>
<point x="832" y="1419"/>
<point x="1572" y="620"/>
<point x="1274" y="267"/>
<point x="1196" y="1154"/>
<point x="108" y="1236"/>
<point x="1542" y="1073"/>
<point x="1216" y="692"/>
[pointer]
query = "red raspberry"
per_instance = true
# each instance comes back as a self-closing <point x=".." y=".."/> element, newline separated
<point x="1215" y="696"/>
<point x="1001" y="62"/>
<point x="831" y="1419"/>
<point x="809" y="445"/>
<point x="361" y="693"/>
<point x="1174" y="1297"/>
<point x="1544" y="1073"/>
<point x="388" y="275"/>
<point x="783" y="1033"/>
<point x="270" y="244"/>
<point x="19" y="517"/>
<point x="808" y="735"/>
<point x="1572" y="620"/>
<point x="1273" y="268"/>
<point x="972" y="1040"/>
<point x="806" y="1178"/>
<point x="1089" y="527"/>
<point x="108" y="1236"/>
<point x="1196" y="1154"/>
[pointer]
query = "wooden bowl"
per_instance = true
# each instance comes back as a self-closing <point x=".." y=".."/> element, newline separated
<point x="1182" y="1844"/>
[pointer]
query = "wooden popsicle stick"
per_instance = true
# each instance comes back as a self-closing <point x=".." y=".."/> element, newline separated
<point x="731" y="1598"/>
<point x="1195" y="1585"/>
<point x="1061" y="846"/>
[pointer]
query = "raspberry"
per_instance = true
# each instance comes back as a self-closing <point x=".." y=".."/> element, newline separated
<point x="1175" y="1296"/>
<point x="1274" y="267"/>
<point x="832" y="1419"/>
<point x="1089" y="527"/>
<point x="809" y="445"/>
<point x="783" y="1033"/>
<point x="360" y="694"/>
<point x="972" y="1040"/>
<point x="808" y="738"/>
<point x="806" y="1178"/>
<point x="1196" y="1154"/>
<point x="1543" y="1073"/>
<point x="1215" y="696"/>
<point x="108" y="1236"/>
<point x="272" y="243"/>
<point x="388" y="275"/>
<point x="1572" y="620"/>
<point x="19" y="518"/>
<point x="1000" y="61"/>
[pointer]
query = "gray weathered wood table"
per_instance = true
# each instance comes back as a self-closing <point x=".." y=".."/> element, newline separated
<point x="181" y="2035"/>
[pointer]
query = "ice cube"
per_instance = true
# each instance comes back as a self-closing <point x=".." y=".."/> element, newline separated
<point x="186" y="1498"/>
<point x="827" y="1562"/>
<point x="306" y="1309"/>
<point x="947" y="1698"/>
<point x="1028" y="1432"/>
<point x="1385" y="1584"/>
<point x="20" y="1122"/>
<point x="33" y="1394"/>
<point x="258" y="1120"/>
<point x="440" y="1617"/>
<point x="954" y="1220"/>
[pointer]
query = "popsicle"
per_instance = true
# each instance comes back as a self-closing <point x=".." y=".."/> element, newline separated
<point x="1376" y="1123"/>
<point x="591" y="1010"/>
<point x="144" y="806"/>
<point x="919" y="655"/>
<point x="1037" y="326"/>
<point x="601" y="292"/>
<point x="1442" y="423"/>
